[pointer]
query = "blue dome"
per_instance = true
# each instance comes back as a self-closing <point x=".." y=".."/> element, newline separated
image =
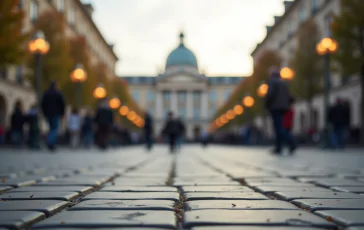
<point x="181" y="56"/>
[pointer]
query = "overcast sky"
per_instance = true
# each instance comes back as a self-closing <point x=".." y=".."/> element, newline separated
<point x="221" y="33"/>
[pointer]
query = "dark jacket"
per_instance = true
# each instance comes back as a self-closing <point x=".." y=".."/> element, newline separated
<point x="148" y="125"/>
<point x="278" y="95"/>
<point x="87" y="124"/>
<point x="104" y="116"/>
<point x="17" y="120"/>
<point x="53" y="103"/>
<point x="172" y="127"/>
<point x="182" y="128"/>
<point x="338" y="115"/>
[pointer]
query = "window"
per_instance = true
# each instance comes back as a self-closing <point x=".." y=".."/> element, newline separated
<point x="60" y="5"/>
<point x="181" y="112"/>
<point x="71" y="16"/>
<point x="33" y="10"/>
<point x="213" y="96"/>
<point x="135" y="95"/>
<point x="166" y="95"/>
<point x="181" y="97"/>
<point x="302" y="14"/>
<point x="196" y="114"/>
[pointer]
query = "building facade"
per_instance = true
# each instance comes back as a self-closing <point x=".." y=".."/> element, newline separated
<point x="282" y="38"/>
<point x="182" y="89"/>
<point x="13" y="87"/>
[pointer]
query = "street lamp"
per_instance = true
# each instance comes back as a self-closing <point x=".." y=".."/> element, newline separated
<point x="287" y="73"/>
<point x="100" y="92"/>
<point x="38" y="46"/>
<point x="326" y="47"/>
<point x="78" y="76"/>
<point x="114" y="103"/>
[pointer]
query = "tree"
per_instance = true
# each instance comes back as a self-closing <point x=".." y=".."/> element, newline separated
<point x="307" y="66"/>
<point x="57" y="64"/>
<point x="348" y="30"/>
<point x="12" y="40"/>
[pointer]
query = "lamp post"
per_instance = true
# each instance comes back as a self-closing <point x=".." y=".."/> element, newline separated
<point x="325" y="48"/>
<point x="78" y="76"/>
<point x="38" y="46"/>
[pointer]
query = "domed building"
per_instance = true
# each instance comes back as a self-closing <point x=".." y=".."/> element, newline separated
<point x="182" y="89"/>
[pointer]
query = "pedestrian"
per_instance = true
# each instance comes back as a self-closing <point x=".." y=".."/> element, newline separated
<point x="181" y="135"/>
<point x="87" y="130"/>
<point x="277" y="102"/>
<point x="17" y="125"/>
<point x="148" y="131"/>
<point x="204" y="138"/>
<point x="53" y="106"/>
<point x="33" y="125"/>
<point x="74" y="123"/>
<point x="339" y="122"/>
<point x="171" y="130"/>
<point x="104" y="121"/>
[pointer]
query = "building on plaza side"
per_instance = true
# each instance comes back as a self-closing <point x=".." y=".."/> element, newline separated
<point x="79" y="20"/>
<point x="182" y="89"/>
<point x="282" y="37"/>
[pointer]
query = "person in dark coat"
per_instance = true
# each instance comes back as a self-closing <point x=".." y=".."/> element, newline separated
<point x="277" y="102"/>
<point x="87" y="130"/>
<point x="148" y="131"/>
<point x="171" y="130"/>
<point x="53" y="107"/>
<point x="339" y="121"/>
<point x="104" y="121"/>
<point x="17" y="125"/>
<point x="33" y="131"/>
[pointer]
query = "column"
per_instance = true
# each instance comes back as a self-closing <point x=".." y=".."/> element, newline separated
<point x="159" y="105"/>
<point x="204" y="106"/>
<point x="174" y="106"/>
<point x="189" y="103"/>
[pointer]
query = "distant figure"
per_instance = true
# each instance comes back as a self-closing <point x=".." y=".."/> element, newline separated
<point x="74" y="123"/>
<point x="104" y="120"/>
<point x="87" y="130"/>
<point x="148" y="131"/>
<point x="33" y="131"/>
<point x="17" y="125"/>
<point x="172" y="131"/>
<point x="53" y="106"/>
<point x="181" y="135"/>
<point x="277" y="101"/>
<point x="204" y="138"/>
<point x="338" y="118"/>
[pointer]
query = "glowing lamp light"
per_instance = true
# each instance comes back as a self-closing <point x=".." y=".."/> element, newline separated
<point x="38" y="45"/>
<point x="230" y="114"/>
<point x="248" y="101"/>
<point x="224" y="119"/>
<point x="287" y="73"/>
<point x="327" y="46"/>
<point x="124" y="110"/>
<point x="262" y="90"/>
<point x="114" y="103"/>
<point x="238" y="109"/>
<point x="100" y="92"/>
<point x="131" y="116"/>
<point x="78" y="74"/>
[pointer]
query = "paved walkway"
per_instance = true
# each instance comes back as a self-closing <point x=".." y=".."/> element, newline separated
<point x="214" y="188"/>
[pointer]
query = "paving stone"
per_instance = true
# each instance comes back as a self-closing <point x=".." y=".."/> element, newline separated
<point x="239" y="205"/>
<point x="19" y="219"/>
<point x="48" y="207"/>
<point x="5" y="188"/>
<point x="349" y="189"/>
<point x="225" y="227"/>
<point x="123" y="228"/>
<point x="288" y="196"/>
<point x="338" y="182"/>
<point x="7" y="175"/>
<point x="254" y="217"/>
<point x="72" y="182"/>
<point x="133" y="182"/>
<point x="344" y="217"/>
<point x="224" y="196"/>
<point x="269" y="189"/>
<point x="125" y="205"/>
<point x="79" y="189"/>
<point x="18" y="182"/>
<point x="132" y="196"/>
<point x="330" y="204"/>
<point x="67" y="196"/>
<point x="203" y="183"/>
<point x="100" y="219"/>
<point x="216" y="189"/>
<point x="355" y="228"/>
<point x="138" y="189"/>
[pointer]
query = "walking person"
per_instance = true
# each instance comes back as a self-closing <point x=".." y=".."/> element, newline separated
<point x="171" y="131"/>
<point x="104" y="121"/>
<point x="339" y="121"/>
<point x="33" y="125"/>
<point x="277" y="102"/>
<point x="74" y="127"/>
<point x="148" y="131"/>
<point x="87" y="130"/>
<point x="181" y="135"/>
<point x="53" y="107"/>
<point x="204" y="138"/>
<point x="17" y="125"/>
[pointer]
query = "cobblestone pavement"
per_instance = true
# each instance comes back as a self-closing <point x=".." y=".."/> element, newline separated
<point x="214" y="188"/>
